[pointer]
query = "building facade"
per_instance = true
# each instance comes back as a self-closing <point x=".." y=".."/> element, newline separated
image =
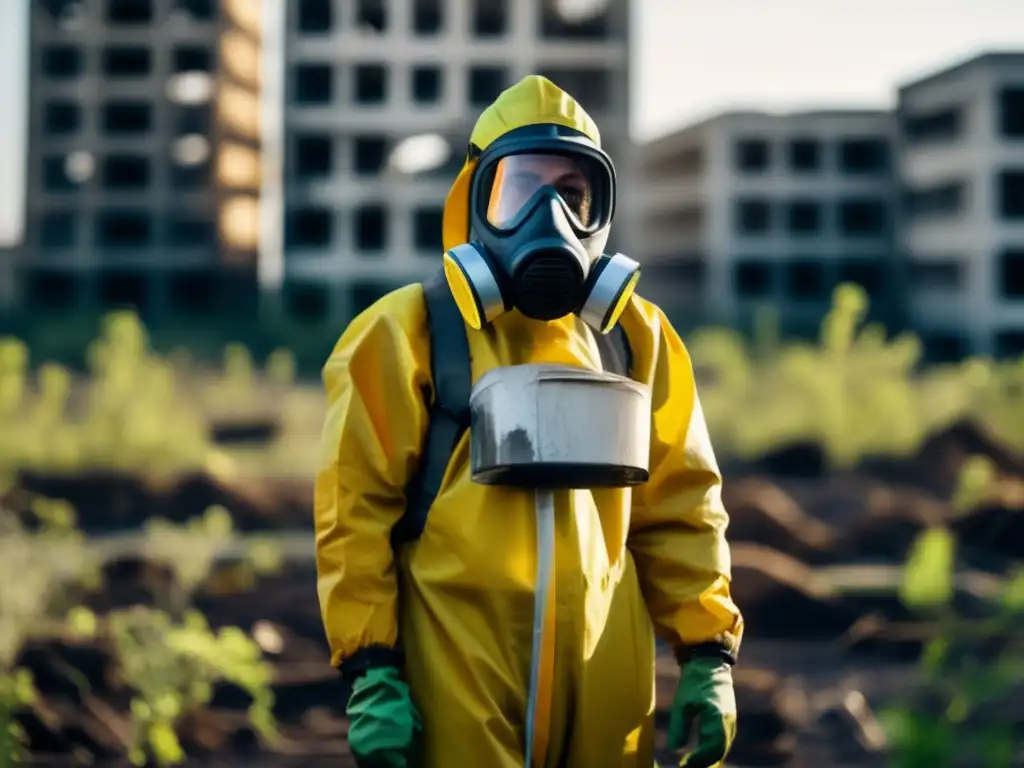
<point x="365" y="76"/>
<point x="144" y="156"/>
<point x="961" y="165"/>
<point x="747" y="210"/>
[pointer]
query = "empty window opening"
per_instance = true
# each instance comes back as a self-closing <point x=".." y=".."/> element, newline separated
<point x="753" y="217"/>
<point x="371" y="86"/>
<point x="310" y="227"/>
<point x="124" y="229"/>
<point x="127" y="117"/>
<point x="371" y="228"/>
<point x="315" y="17"/>
<point x="307" y="303"/>
<point x="61" y="118"/>
<point x="862" y="218"/>
<point x="804" y="155"/>
<point x="427" y="84"/>
<point x="62" y="62"/>
<point x="864" y="156"/>
<point x="806" y="280"/>
<point x="127" y="61"/>
<point x="490" y="18"/>
<point x="193" y="58"/>
<point x="313" y="84"/>
<point x="1011" y="273"/>
<point x="370" y="155"/>
<point x="58" y="230"/>
<point x="314" y="156"/>
<point x="129" y="12"/>
<point x="427" y="17"/>
<point x="55" y="174"/>
<point x="752" y="155"/>
<point x="1010" y="191"/>
<point x="426" y="229"/>
<point x="124" y="290"/>
<point x="753" y="278"/>
<point x="53" y="291"/>
<point x="804" y="217"/>
<point x="372" y="16"/>
<point x="193" y="292"/>
<point x="191" y="230"/>
<point x="125" y="172"/>
<point x="486" y="84"/>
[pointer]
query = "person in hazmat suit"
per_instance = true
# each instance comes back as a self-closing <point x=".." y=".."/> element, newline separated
<point x="438" y="636"/>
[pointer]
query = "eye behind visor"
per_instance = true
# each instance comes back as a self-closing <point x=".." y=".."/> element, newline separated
<point x="514" y="181"/>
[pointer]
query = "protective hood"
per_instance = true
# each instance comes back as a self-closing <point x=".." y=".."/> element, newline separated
<point x="534" y="100"/>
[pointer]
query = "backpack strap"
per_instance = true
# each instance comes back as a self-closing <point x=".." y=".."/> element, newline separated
<point x="451" y="371"/>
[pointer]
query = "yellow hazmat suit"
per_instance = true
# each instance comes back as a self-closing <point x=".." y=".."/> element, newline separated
<point x="629" y="563"/>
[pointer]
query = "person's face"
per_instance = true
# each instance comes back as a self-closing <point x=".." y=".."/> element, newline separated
<point x="518" y="177"/>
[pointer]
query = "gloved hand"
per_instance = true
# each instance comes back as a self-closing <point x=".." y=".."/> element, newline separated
<point x="384" y="726"/>
<point x="705" y="693"/>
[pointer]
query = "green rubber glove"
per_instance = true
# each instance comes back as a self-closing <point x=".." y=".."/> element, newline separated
<point x="384" y="726"/>
<point x="705" y="693"/>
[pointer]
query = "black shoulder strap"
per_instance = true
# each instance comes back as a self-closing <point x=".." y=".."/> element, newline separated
<point x="616" y="355"/>
<point x="449" y="410"/>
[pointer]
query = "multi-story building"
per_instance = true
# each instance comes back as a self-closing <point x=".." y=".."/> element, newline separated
<point x="961" y="162"/>
<point x="144" y="167"/>
<point x="749" y="209"/>
<point x="365" y="76"/>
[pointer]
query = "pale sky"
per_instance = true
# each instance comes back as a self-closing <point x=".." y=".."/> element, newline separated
<point x="693" y="58"/>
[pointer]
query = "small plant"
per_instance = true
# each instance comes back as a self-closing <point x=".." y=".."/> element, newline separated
<point x="173" y="667"/>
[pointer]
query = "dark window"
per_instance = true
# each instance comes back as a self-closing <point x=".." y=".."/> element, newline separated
<point x="310" y="228"/>
<point x="863" y="156"/>
<point x="805" y="280"/>
<point x="805" y="155"/>
<point x="485" y="84"/>
<point x="937" y="126"/>
<point x="752" y="155"/>
<point x="427" y="17"/>
<point x="124" y="229"/>
<point x="193" y="292"/>
<point x="372" y="15"/>
<point x="55" y="291"/>
<point x="867" y="273"/>
<point x="55" y="175"/>
<point x="1009" y="344"/>
<point x="129" y="11"/>
<point x="123" y="289"/>
<point x="127" y="61"/>
<point x="197" y="119"/>
<point x="193" y="58"/>
<point x="1011" y="194"/>
<point x="1011" y="112"/>
<point x="60" y="10"/>
<point x="862" y="218"/>
<point x="313" y="84"/>
<point x="490" y="18"/>
<point x="371" y="84"/>
<point x="371" y="227"/>
<point x="943" y="348"/>
<point x="190" y="230"/>
<point x="753" y="217"/>
<point x="426" y="229"/>
<point x="803" y="217"/>
<point x="945" y="274"/>
<point x="62" y="117"/>
<point x="315" y="17"/>
<point x="370" y="155"/>
<point x="427" y="84"/>
<point x="122" y="172"/>
<point x="555" y="24"/>
<point x="190" y="177"/>
<point x="127" y="117"/>
<point x="314" y="156"/>
<point x="306" y="302"/>
<point x="58" y="230"/>
<point x="1011" y="273"/>
<point x="200" y="10"/>
<point x="941" y="200"/>
<point x="62" y="62"/>
<point x="365" y="294"/>
<point x="590" y="86"/>
<point x="753" y="278"/>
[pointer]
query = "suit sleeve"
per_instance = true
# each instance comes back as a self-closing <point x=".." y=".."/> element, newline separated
<point x="375" y="380"/>
<point x="677" y="533"/>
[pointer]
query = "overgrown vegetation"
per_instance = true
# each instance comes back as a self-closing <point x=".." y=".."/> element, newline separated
<point x="856" y="393"/>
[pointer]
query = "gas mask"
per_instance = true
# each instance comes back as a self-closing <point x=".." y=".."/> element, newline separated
<point x="541" y="205"/>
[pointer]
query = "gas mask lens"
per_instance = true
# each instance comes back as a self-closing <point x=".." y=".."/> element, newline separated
<point x="518" y="178"/>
